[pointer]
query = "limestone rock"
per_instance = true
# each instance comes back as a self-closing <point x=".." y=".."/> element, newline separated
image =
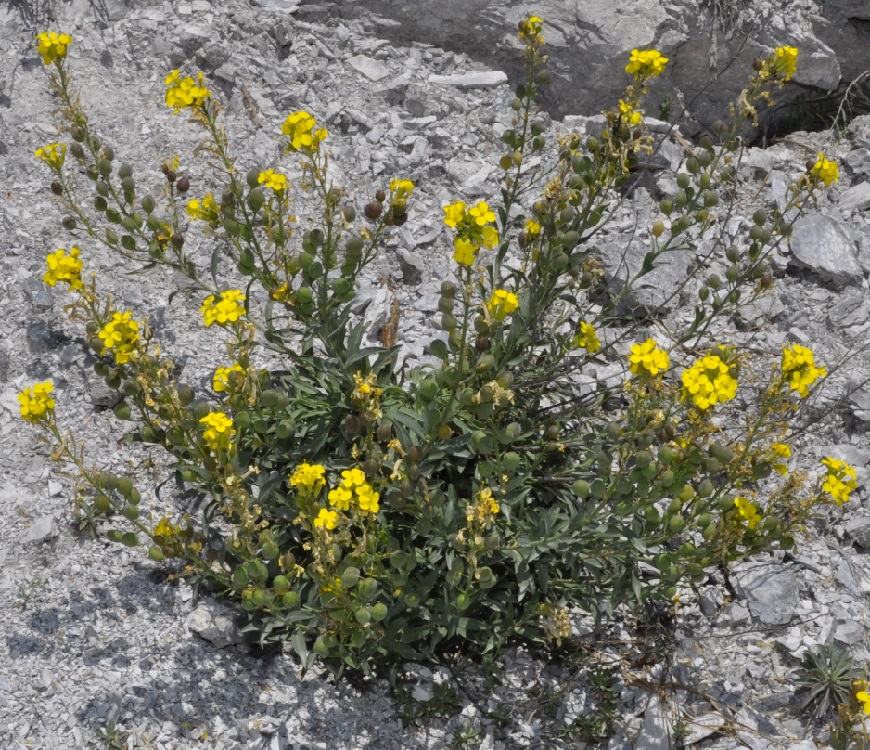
<point x="771" y="593"/>
<point x="821" y="244"/>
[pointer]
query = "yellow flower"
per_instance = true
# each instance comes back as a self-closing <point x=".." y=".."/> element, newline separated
<point x="455" y="213"/>
<point x="368" y="499"/>
<point x="708" y="382"/>
<point x="825" y="171"/>
<point x="533" y="228"/>
<point x="272" y="179"/>
<point x="121" y="336"/>
<point x="484" y="509"/>
<point x="310" y="476"/>
<point x="645" y="64"/>
<point x="222" y="382"/>
<point x="502" y="303"/>
<point x="185" y="92"/>
<point x="648" y="359"/>
<point x="63" y="267"/>
<point x="326" y="519"/>
<point x="784" y="62"/>
<point x="300" y="128"/>
<point x="53" y="155"/>
<point x="481" y="214"/>
<point x="340" y="498"/>
<point x="530" y="30"/>
<point x="864" y="697"/>
<point x="219" y="430"/>
<point x="464" y="252"/>
<point x="781" y="452"/>
<point x="799" y="367"/>
<point x="629" y="113"/>
<point x="587" y="338"/>
<point x="36" y="402"/>
<point x="205" y="211"/>
<point x="841" y="479"/>
<point x="52" y="46"/>
<point x="228" y="310"/>
<point x="748" y="511"/>
<point x="400" y="191"/>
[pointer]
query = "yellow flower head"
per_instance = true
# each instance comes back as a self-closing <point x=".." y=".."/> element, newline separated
<point x="185" y="92"/>
<point x="644" y="64"/>
<point x="841" y="479"/>
<point x="629" y="113"/>
<point x="825" y="171"/>
<point x="587" y="338"/>
<point x="206" y="210"/>
<point x="708" y="382"/>
<point x="799" y="367"/>
<point x="484" y="509"/>
<point x="784" y="62"/>
<point x="748" y="511"/>
<point x="219" y="430"/>
<point x="121" y="336"/>
<point x="52" y="46"/>
<point x="228" y="310"/>
<point x="648" y="359"/>
<point x="781" y="453"/>
<point x="272" y="179"/>
<point x="530" y="30"/>
<point x="223" y="380"/>
<point x="502" y="303"/>
<point x="481" y="215"/>
<point x="464" y="252"/>
<point x="864" y="697"/>
<point x="53" y="155"/>
<point x="309" y="476"/>
<point x="36" y="402"/>
<point x="533" y="228"/>
<point x="63" y="267"/>
<point x="473" y="228"/>
<point x="352" y="487"/>
<point x="326" y="519"/>
<point x="455" y="213"/>
<point x="400" y="191"/>
<point x="300" y="128"/>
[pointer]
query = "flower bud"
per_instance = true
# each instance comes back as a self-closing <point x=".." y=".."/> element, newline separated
<point x="183" y="184"/>
<point x="380" y="196"/>
<point x="68" y="222"/>
<point x="56" y="188"/>
<point x="177" y="241"/>
<point x="373" y="210"/>
<point x="348" y="213"/>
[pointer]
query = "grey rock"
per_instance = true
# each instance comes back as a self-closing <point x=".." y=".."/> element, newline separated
<point x="372" y="69"/>
<point x="822" y="245"/>
<point x="858" y="529"/>
<point x="38" y="295"/>
<point x="817" y="67"/>
<point x="848" y="631"/>
<point x="657" y="730"/>
<point x="859" y="401"/>
<point x="413" y="267"/>
<point x="771" y="593"/>
<point x="99" y="393"/>
<point x="850" y="310"/>
<point x="214" y="621"/>
<point x="42" y="530"/>
<point x="467" y="80"/>
<point x="858" y="161"/>
<point x="701" y="727"/>
<point x="856" y="198"/>
<point x="284" y="6"/>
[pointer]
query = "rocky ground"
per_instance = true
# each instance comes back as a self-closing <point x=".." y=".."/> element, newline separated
<point x="95" y="633"/>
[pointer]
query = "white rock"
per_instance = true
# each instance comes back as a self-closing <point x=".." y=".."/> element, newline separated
<point x="372" y="69"/>
<point x="481" y="78"/>
<point x="42" y="530"/>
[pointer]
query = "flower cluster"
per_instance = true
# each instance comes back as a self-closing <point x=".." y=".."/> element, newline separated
<point x="799" y="367"/>
<point x="841" y="479"/>
<point x="864" y="697"/>
<point x="648" y="359"/>
<point x="219" y="430"/>
<point x="708" y="382"/>
<point x="501" y="304"/>
<point x="533" y="228"/>
<point x="645" y="64"/>
<point x="473" y="228"/>
<point x="299" y="127"/>
<point x="52" y="46"/>
<point x="223" y="380"/>
<point x="784" y="62"/>
<point x="587" y="338"/>
<point x="484" y="509"/>
<point x="36" y="402"/>
<point x="308" y="477"/>
<point x="53" y="155"/>
<point x="63" y="267"/>
<point x="185" y="92"/>
<point x="748" y="511"/>
<point x="228" y="310"/>
<point x="365" y="394"/>
<point x="352" y="487"/>
<point x="326" y="519"/>
<point x="629" y="114"/>
<point x="530" y="30"/>
<point x="274" y="180"/>
<point x="121" y="336"/>
<point x="205" y="210"/>
<point x="825" y="171"/>
<point x="400" y="191"/>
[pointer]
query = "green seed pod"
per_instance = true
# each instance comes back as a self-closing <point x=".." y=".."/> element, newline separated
<point x="122" y="411"/>
<point x="593" y="144"/>
<point x="759" y="217"/>
<point x="711" y="198"/>
<point x="253" y="178"/>
<point x="256" y="198"/>
<point x="755" y="232"/>
<point x="102" y="503"/>
<point x="156" y="554"/>
<point x="714" y="281"/>
<point x="683" y="180"/>
<point x="581" y="488"/>
<point x="666" y="207"/>
<point x="693" y="166"/>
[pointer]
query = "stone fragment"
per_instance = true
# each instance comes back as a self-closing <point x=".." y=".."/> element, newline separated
<point x="822" y="245"/>
<point x="701" y="727"/>
<point x="657" y="730"/>
<point x="42" y="530"/>
<point x="858" y="161"/>
<point x="856" y="198"/>
<point x="99" y="393"/>
<point x="38" y="295"/>
<point x="214" y="621"/>
<point x="372" y="69"/>
<point x="284" y="6"/>
<point x="467" y="80"/>
<point x="771" y="594"/>
<point x="858" y="529"/>
<point x="412" y="266"/>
